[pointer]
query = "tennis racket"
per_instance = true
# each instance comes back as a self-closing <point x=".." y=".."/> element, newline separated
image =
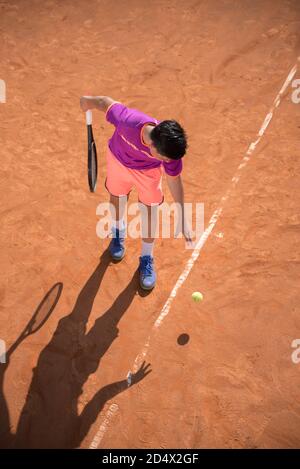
<point x="40" y="315"/>
<point x="92" y="154"/>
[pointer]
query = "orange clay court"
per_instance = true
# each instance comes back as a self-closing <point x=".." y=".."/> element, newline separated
<point x="222" y="370"/>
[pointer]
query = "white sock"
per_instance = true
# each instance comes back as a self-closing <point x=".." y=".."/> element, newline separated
<point x="147" y="248"/>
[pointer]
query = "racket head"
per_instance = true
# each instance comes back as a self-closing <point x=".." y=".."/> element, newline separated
<point x="92" y="161"/>
<point x="44" y="309"/>
<point x="40" y="316"/>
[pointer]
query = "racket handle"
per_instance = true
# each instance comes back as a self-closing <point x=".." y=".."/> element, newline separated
<point x="88" y="117"/>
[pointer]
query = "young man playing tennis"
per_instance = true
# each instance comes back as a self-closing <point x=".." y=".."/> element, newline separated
<point x="138" y="152"/>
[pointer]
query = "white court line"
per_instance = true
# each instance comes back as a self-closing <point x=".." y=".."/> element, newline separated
<point x="195" y="254"/>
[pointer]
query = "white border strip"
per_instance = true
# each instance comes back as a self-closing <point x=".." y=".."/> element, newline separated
<point x="195" y="254"/>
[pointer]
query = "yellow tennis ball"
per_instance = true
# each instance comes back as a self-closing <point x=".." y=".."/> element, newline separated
<point x="197" y="296"/>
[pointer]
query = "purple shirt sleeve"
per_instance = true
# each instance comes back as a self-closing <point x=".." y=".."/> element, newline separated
<point x="116" y="113"/>
<point x="119" y="113"/>
<point x="173" y="168"/>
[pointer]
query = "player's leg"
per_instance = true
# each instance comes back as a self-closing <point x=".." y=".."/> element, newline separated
<point x="149" y="218"/>
<point x="118" y="183"/>
<point x="118" y="207"/>
<point x="117" y="244"/>
<point x="149" y="186"/>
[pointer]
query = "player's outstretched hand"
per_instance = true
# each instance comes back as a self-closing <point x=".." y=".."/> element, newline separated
<point x="184" y="228"/>
<point x="141" y="373"/>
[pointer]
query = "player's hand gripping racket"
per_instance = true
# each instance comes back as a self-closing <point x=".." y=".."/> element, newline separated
<point x="92" y="154"/>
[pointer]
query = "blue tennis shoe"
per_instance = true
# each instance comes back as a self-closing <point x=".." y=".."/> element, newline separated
<point x="147" y="273"/>
<point x="117" y="247"/>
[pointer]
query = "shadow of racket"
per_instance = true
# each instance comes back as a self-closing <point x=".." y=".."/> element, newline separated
<point x="40" y="316"/>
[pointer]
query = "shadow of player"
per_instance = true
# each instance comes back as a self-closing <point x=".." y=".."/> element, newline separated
<point x="50" y="418"/>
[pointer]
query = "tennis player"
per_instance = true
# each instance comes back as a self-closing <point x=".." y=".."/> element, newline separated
<point x="139" y="151"/>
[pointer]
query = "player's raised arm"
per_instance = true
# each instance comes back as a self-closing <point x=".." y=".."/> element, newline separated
<point x="101" y="103"/>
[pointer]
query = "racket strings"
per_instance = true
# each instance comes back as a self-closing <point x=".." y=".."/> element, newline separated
<point x="94" y="166"/>
<point x="45" y="308"/>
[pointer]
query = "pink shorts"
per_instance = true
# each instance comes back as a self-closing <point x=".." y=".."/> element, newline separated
<point x="120" y="180"/>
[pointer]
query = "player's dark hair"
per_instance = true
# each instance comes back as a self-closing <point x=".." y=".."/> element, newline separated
<point x="169" y="139"/>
